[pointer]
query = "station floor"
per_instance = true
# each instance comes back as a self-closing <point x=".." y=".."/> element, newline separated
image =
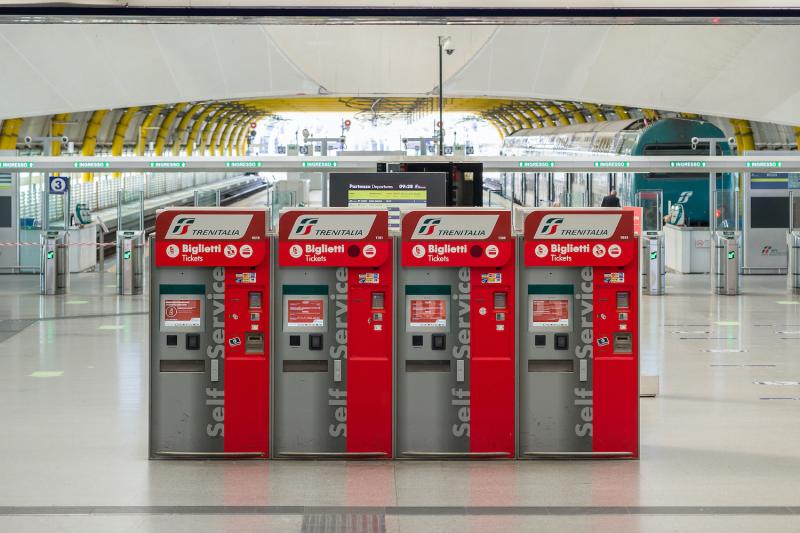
<point x="720" y="444"/>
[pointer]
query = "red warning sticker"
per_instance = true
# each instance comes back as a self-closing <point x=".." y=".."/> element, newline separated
<point x="305" y="313"/>
<point x="182" y="313"/>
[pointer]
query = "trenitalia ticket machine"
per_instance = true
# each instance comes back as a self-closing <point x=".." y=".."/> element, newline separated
<point x="578" y="334"/>
<point x="209" y="331"/>
<point x="455" y="334"/>
<point x="333" y="334"/>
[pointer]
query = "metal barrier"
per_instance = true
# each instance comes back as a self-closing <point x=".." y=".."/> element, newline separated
<point x="130" y="262"/>
<point x="54" y="264"/>
<point x="793" y="245"/>
<point x="653" y="269"/>
<point x="727" y="262"/>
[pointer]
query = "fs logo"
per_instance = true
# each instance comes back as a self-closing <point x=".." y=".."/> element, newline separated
<point x="551" y="225"/>
<point x="182" y="226"/>
<point x="429" y="226"/>
<point x="306" y="225"/>
<point x="769" y="250"/>
<point x="684" y="197"/>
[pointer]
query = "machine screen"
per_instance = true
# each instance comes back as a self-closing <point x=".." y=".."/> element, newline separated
<point x="181" y="313"/>
<point x="427" y="313"/>
<point x="305" y="313"/>
<point x="550" y="313"/>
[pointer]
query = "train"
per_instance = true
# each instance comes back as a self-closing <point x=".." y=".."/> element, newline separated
<point x="635" y="137"/>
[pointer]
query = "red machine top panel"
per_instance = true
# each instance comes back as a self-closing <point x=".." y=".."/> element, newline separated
<point x="211" y="236"/>
<point x="333" y="237"/>
<point x="590" y="237"/>
<point x="456" y="237"/>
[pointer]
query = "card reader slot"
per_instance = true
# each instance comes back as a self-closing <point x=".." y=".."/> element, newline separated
<point x="425" y="365"/>
<point x="305" y="365"/>
<point x="182" y="365"/>
<point x="551" y="365"/>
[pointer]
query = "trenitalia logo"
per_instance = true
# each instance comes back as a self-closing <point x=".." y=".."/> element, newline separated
<point x="305" y="225"/>
<point x="461" y="227"/>
<point x="551" y="225"/>
<point x="684" y="197"/>
<point x="428" y="226"/>
<point x="209" y="226"/>
<point x="182" y="225"/>
<point x="334" y="227"/>
<point x="577" y="226"/>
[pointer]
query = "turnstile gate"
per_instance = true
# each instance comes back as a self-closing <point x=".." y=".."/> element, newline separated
<point x="54" y="262"/>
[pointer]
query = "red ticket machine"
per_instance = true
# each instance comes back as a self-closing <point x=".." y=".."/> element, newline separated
<point x="455" y="334"/>
<point x="579" y="334"/>
<point x="333" y="334"/>
<point x="209" y="333"/>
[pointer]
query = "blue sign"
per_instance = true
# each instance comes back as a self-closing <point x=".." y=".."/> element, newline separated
<point x="59" y="184"/>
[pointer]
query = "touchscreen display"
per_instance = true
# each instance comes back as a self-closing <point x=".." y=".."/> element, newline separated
<point x="182" y="313"/>
<point x="305" y="312"/>
<point x="428" y="313"/>
<point x="549" y="312"/>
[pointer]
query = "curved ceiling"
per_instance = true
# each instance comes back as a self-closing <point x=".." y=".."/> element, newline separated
<point x="729" y="71"/>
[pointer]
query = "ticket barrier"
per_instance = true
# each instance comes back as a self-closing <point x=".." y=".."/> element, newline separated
<point x="54" y="263"/>
<point x="130" y="262"/>
<point x="727" y="262"/>
<point x="578" y="334"/>
<point x="455" y="334"/>
<point x="653" y="267"/>
<point x="333" y="321"/>
<point x="793" y="245"/>
<point x="209" y="331"/>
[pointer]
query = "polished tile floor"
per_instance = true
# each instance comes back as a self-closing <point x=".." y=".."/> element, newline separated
<point x="720" y="452"/>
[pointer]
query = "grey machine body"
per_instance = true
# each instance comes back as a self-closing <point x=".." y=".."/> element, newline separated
<point x="54" y="262"/>
<point x="727" y="262"/>
<point x="130" y="262"/>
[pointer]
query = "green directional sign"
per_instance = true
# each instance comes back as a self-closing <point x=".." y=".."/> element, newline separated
<point x="241" y="164"/>
<point x="731" y="255"/>
<point x="653" y="255"/>
<point x="126" y="254"/>
<point x="50" y="254"/>
<point x="168" y="164"/>
<point x="91" y="164"/>
<point x="536" y="164"/>
<point x="319" y="164"/>
<point x="612" y="164"/>
<point x="687" y="164"/>
<point x="764" y="164"/>
<point x="16" y="164"/>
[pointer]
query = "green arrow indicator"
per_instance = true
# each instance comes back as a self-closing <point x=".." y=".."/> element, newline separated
<point x="609" y="164"/>
<point x="319" y="164"/>
<point x="731" y="255"/>
<point x="653" y="255"/>
<point x="536" y="164"/>
<point x="126" y="254"/>
<point x="50" y="254"/>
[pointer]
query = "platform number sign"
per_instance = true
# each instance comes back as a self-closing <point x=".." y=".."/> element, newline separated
<point x="58" y="184"/>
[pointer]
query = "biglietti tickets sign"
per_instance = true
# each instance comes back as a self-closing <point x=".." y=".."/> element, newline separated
<point x="210" y="237"/>
<point x="441" y="237"/>
<point x="564" y="236"/>
<point x="333" y="237"/>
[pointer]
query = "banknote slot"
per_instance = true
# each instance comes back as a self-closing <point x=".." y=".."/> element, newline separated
<point x="305" y="365"/>
<point x="182" y="365"/>
<point x="424" y="365"/>
<point x="551" y="365"/>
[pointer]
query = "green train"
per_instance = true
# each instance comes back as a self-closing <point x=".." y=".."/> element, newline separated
<point x="636" y="137"/>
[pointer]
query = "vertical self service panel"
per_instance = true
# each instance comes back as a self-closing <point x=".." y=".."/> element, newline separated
<point x="333" y="334"/>
<point x="209" y="320"/>
<point x="455" y="334"/>
<point x="578" y="334"/>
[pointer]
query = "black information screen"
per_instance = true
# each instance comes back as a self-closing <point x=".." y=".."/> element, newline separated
<point x="388" y="189"/>
<point x="5" y="211"/>
<point x="769" y="212"/>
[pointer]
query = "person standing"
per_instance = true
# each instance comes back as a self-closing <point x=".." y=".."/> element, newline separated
<point x="611" y="199"/>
